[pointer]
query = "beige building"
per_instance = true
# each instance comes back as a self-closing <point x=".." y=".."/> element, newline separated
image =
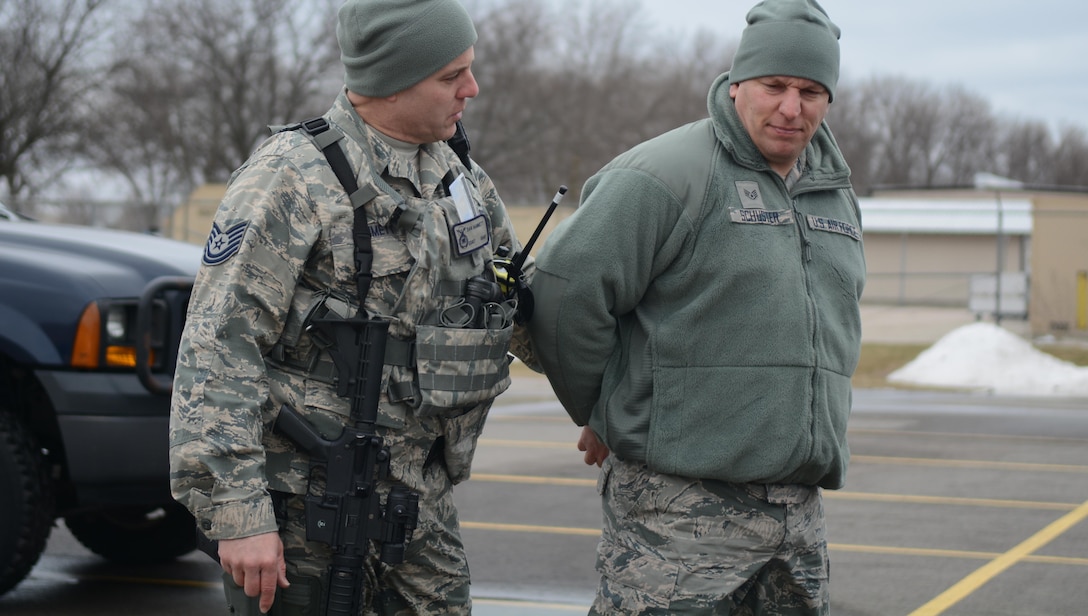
<point x="947" y="247"/>
<point x="923" y="247"/>
<point x="1059" y="283"/>
<point x="928" y="250"/>
<point x="192" y="222"/>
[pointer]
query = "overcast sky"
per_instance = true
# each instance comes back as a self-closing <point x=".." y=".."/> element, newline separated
<point x="1028" y="58"/>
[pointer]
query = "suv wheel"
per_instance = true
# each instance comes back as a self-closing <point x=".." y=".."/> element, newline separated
<point x="136" y="534"/>
<point x="26" y="517"/>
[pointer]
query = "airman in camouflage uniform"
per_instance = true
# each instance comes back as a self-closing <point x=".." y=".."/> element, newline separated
<point x="698" y="315"/>
<point x="281" y="247"/>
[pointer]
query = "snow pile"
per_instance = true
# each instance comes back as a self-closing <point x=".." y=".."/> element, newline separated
<point x="985" y="356"/>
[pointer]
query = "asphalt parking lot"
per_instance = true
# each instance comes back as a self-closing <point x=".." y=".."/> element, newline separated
<point x="957" y="504"/>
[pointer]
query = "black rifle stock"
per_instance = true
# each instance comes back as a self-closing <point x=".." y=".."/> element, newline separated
<point x="348" y="514"/>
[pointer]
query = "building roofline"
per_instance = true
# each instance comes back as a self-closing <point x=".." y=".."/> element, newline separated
<point x="1024" y="188"/>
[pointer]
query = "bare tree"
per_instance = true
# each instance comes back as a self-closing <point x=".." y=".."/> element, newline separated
<point x="565" y="89"/>
<point x="194" y="108"/>
<point x="508" y="119"/>
<point x="898" y="132"/>
<point x="907" y="121"/>
<point x="604" y="85"/>
<point x="1025" y="149"/>
<point x="46" y="71"/>
<point x="188" y="88"/>
<point x="964" y="139"/>
<point x="855" y="124"/>
<point x="1070" y="161"/>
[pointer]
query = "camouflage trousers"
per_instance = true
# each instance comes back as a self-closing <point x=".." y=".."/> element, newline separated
<point x="432" y="580"/>
<point x="673" y="545"/>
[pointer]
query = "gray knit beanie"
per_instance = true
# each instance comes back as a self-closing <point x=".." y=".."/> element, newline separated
<point x="794" y="38"/>
<point x="390" y="45"/>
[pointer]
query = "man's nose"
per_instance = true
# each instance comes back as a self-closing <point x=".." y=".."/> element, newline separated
<point x="790" y="106"/>
<point x="471" y="89"/>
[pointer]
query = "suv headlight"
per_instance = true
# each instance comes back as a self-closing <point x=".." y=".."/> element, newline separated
<point x="107" y="341"/>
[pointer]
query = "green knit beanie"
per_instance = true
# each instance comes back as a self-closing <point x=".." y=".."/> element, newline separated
<point x="794" y="38"/>
<point x="388" y="46"/>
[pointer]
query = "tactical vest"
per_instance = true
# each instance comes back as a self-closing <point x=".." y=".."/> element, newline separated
<point x="447" y="350"/>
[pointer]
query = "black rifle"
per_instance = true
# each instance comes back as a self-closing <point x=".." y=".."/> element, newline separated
<point x="348" y="514"/>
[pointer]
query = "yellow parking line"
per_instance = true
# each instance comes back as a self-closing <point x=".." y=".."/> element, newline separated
<point x="532" y="528"/>
<point x="531" y="418"/>
<point x="985" y="464"/>
<point x="974" y="581"/>
<point x="563" y="607"/>
<point x="501" y="442"/>
<point x="122" y="579"/>
<point x="533" y="480"/>
<point x="935" y="462"/>
<point x="829" y="494"/>
<point x="960" y="436"/>
<point x="938" y="553"/>
<point x="1056" y="560"/>
<point x="835" y="547"/>
<point x="948" y="500"/>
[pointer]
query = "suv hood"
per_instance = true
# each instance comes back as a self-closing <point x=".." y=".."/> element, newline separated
<point x="119" y="263"/>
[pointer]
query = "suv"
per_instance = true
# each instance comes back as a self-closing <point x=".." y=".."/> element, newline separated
<point x="90" y="321"/>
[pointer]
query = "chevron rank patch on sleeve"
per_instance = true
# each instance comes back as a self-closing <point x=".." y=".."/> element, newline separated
<point x="222" y="245"/>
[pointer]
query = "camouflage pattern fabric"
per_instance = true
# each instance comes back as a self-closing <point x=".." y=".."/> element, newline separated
<point x="281" y="238"/>
<point x="673" y="545"/>
<point x="434" y="579"/>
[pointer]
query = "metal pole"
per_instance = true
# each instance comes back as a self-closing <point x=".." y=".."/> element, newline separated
<point x="1082" y="300"/>
<point x="903" y="268"/>
<point x="1000" y="258"/>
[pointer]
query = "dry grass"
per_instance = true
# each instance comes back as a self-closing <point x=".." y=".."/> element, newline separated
<point x="879" y="360"/>
<point x="1076" y="354"/>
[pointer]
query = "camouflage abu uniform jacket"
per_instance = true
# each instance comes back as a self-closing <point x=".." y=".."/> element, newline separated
<point x="283" y="236"/>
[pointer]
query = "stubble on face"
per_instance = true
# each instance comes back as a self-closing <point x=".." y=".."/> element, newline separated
<point x="780" y="114"/>
<point x="429" y="111"/>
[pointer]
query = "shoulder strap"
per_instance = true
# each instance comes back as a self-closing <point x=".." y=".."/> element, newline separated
<point x="327" y="139"/>
<point x="460" y="145"/>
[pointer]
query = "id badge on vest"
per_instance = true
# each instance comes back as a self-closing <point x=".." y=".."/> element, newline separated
<point x="471" y="231"/>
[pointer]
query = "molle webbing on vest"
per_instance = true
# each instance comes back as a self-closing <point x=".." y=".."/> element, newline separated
<point x="495" y="351"/>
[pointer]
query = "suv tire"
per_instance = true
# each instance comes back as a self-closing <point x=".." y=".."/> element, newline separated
<point x="26" y="518"/>
<point x="136" y="535"/>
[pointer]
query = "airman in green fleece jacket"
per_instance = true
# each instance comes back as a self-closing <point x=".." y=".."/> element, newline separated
<point x="699" y="314"/>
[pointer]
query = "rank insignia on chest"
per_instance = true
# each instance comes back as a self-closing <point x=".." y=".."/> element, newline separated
<point x="224" y="244"/>
<point x="750" y="195"/>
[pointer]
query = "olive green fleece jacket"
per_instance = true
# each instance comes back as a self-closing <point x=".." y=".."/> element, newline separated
<point x="703" y="318"/>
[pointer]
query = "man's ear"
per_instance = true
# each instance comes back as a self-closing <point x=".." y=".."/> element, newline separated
<point x="733" y="87"/>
